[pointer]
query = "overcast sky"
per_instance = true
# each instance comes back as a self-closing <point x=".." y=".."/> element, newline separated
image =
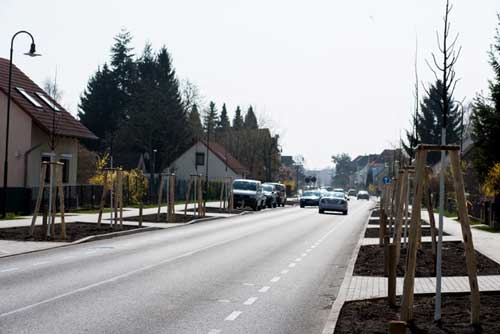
<point x="328" y="76"/>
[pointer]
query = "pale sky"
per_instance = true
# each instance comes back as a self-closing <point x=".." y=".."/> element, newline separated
<point x="328" y="76"/>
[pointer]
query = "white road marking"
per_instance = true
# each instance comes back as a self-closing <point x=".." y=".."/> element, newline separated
<point x="250" y="301"/>
<point x="40" y="263"/>
<point x="233" y="316"/>
<point x="248" y="284"/>
<point x="309" y="250"/>
<point x="68" y="257"/>
<point x="275" y="279"/>
<point x="303" y="254"/>
<point x="284" y="271"/>
<point x="291" y="265"/>
<point x="264" y="289"/>
<point x="313" y="246"/>
<point x="90" y="252"/>
<point x="298" y="259"/>
<point x="214" y="331"/>
<point x="224" y="301"/>
<point x="8" y="269"/>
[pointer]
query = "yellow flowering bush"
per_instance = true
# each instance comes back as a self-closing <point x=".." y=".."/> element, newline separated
<point x="491" y="186"/>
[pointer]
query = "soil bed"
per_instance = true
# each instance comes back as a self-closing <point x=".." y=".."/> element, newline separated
<point x="74" y="231"/>
<point x="373" y="232"/>
<point x="372" y="316"/>
<point x="152" y="218"/>
<point x="377" y="222"/>
<point x="370" y="261"/>
<point x="375" y="213"/>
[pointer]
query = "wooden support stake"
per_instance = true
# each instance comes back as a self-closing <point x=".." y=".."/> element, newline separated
<point x="382" y="226"/>
<point x="392" y="270"/>
<point x="103" y="197"/>
<point x="171" y="199"/>
<point x="188" y="193"/>
<point x="54" y="201"/>
<point x="200" y="196"/>
<point x="61" y="200"/>
<point x="160" y="195"/>
<point x="399" y="213"/>
<point x="120" y="196"/>
<point x="470" y="257"/>
<point x="430" y="211"/>
<point x="231" y="195"/>
<point x="386" y="242"/>
<point x="409" y="280"/>
<point x="39" y="198"/>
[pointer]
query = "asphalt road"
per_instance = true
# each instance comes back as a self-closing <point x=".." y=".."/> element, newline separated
<point x="276" y="271"/>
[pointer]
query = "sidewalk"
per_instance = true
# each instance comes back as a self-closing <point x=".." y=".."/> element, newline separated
<point x="11" y="247"/>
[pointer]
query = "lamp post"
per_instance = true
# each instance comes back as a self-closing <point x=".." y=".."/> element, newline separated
<point x="31" y="53"/>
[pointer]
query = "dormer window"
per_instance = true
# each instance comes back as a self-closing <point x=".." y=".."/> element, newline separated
<point x="48" y="101"/>
<point x="28" y="97"/>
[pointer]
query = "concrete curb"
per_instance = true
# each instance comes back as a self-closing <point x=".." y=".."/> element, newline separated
<point x="110" y="235"/>
<point x="331" y="322"/>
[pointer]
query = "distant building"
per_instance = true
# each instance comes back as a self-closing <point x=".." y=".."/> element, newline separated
<point x="220" y="163"/>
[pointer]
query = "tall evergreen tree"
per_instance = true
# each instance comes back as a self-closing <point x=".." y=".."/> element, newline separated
<point x="195" y="123"/>
<point x="223" y="124"/>
<point x="122" y="61"/>
<point x="430" y="120"/>
<point x="97" y="107"/>
<point x="210" y="120"/>
<point x="251" y="119"/>
<point x="486" y="117"/>
<point x="238" y="119"/>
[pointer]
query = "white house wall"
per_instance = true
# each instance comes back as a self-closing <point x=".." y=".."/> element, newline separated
<point x="184" y="166"/>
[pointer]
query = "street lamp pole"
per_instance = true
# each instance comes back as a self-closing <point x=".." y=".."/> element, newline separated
<point x="31" y="53"/>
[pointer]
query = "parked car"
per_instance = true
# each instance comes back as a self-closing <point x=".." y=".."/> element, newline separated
<point x="309" y="198"/>
<point x="352" y="192"/>
<point x="363" y="194"/>
<point x="334" y="201"/>
<point x="280" y="193"/>
<point x="269" y="190"/>
<point x="248" y="193"/>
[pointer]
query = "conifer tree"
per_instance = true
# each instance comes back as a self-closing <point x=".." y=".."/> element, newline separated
<point x="97" y="107"/>
<point x="195" y="123"/>
<point x="486" y="117"/>
<point x="238" y="119"/>
<point x="210" y="120"/>
<point x="223" y="123"/>
<point x="250" y="119"/>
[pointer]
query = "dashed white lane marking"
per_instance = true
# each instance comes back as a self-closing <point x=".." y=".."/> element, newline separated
<point x="68" y="257"/>
<point x="291" y="265"/>
<point x="264" y="289"/>
<point x="284" y="271"/>
<point x="298" y="259"/>
<point x="233" y="316"/>
<point x="250" y="301"/>
<point x="8" y="269"/>
<point x="303" y="254"/>
<point x="40" y="263"/>
<point x="309" y="250"/>
<point x="275" y="279"/>
<point x="214" y="331"/>
<point x="248" y="284"/>
<point x="224" y="301"/>
<point x="90" y="252"/>
<point x="313" y="246"/>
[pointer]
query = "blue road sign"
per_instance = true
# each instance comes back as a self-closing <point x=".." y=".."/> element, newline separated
<point x="386" y="180"/>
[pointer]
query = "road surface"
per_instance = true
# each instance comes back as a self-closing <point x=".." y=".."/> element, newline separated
<point x="275" y="271"/>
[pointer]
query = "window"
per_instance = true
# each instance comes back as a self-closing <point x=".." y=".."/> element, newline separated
<point x="200" y="159"/>
<point x="65" y="160"/>
<point x="29" y="97"/>
<point x="46" y="158"/>
<point x="48" y="101"/>
<point x="65" y="169"/>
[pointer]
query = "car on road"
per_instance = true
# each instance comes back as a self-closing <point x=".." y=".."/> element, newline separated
<point x="269" y="190"/>
<point x="248" y="193"/>
<point x="363" y="194"/>
<point x="352" y="192"/>
<point x="334" y="201"/>
<point x="309" y="198"/>
<point x="280" y="193"/>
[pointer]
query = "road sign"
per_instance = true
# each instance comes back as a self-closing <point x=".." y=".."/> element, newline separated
<point x="386" y="180"/>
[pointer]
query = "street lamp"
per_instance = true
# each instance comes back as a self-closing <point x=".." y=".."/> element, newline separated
<point x="31" y="53"/>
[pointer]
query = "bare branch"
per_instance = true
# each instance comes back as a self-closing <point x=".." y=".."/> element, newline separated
<point x="436" y="63"/>
<point x="433" y="71"/>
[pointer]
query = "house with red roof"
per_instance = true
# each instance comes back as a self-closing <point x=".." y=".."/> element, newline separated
<point x="220" y="163"/>
<point x="35" y="118"/>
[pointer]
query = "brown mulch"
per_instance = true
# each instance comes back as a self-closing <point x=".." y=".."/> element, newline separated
<point x="370" y="261"/>
<point x="373" y="232"/>
<point x="74" y="231"/>
<point x="152" y="218"/>
<point x="372" y="316"/>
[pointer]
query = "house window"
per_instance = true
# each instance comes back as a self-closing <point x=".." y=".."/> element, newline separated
<point x="65" y="169"/>
<point x="200" y="159"/>
<point x="46" y="158"/>
<point x="28" y="97"/>
<point x="48" y="101"/>
<point x="65" y="160"/>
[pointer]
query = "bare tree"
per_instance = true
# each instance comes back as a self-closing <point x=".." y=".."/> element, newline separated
<point x="190" y="95"/>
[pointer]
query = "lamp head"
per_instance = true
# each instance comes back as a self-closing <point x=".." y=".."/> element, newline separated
<point x="32" y="52"/>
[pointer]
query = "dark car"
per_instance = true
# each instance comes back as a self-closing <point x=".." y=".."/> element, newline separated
<point x="280" y="193"/>
<point x="309" y="198"/>
<point x="362" y="194"/>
